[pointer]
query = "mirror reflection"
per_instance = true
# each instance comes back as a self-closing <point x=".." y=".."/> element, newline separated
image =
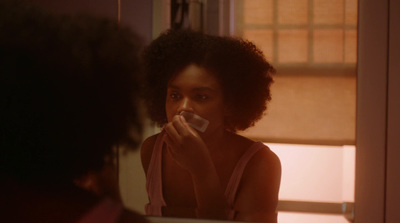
<point x="310" y="122"/>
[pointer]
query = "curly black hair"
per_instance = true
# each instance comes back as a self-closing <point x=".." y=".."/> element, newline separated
<point x="69" y="88"/>
<point x="239" y="66"/>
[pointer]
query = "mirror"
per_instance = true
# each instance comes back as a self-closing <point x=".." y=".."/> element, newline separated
<point x="313" y="46"/>
<point x="313" y="95"/>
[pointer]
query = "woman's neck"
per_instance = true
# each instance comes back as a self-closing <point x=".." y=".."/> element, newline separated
<point x="217" y="140"/>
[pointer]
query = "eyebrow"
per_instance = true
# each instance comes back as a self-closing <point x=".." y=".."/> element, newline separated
<point x="194" y="89"/>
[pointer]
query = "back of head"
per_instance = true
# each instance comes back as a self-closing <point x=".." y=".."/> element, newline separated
<point x="68" y="93"/>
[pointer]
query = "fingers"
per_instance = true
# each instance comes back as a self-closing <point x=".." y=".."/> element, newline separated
<point x="178" y="131"/>
<point x="177" y="127"/>
<point x="180" y="125"/>
<point x="174" y="130"/>
<point x="187" y="126"/>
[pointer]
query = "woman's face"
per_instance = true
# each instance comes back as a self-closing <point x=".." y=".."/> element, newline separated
<point x="196" y="90"/>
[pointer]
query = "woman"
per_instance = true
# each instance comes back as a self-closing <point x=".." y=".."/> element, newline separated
<point x="212" y="172"/>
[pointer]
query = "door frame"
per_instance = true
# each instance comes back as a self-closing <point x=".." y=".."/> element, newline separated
<point x="378" y="83"/>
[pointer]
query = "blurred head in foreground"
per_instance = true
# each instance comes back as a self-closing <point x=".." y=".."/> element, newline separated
<point x="68" y="94"/>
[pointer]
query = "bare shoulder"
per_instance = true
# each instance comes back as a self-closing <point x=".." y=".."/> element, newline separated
<point x="264" y="159"/>
<point x="259" y="187"/>
<point x="146" y="151"/>
<point x="263" y="168"/>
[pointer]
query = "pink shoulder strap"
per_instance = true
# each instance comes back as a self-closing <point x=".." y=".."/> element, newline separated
<point x="233" y="184"/>
<point x="154" y="180"/>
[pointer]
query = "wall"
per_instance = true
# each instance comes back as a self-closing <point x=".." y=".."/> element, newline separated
<point x="378" y="113"/>
<point x="313" y="174"/>
<point x="136" y="14"/>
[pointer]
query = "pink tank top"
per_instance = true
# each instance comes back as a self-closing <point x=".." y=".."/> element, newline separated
<point x="154" y="178"/>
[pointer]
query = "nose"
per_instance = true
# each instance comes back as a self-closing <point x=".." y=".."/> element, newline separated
<point x="185" y="105"/>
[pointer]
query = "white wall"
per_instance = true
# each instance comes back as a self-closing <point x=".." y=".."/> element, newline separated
<point x="315" y="173"/>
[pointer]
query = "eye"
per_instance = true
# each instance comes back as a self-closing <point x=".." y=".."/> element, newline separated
<point x="201" y="97"/>
<point x="174" y="96"/>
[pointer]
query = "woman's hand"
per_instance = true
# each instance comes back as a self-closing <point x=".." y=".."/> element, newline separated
<point x="189" y="151"/>
<point x="186" y="146"/>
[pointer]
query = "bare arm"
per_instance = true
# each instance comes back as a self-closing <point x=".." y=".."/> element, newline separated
<point x="257" y="197"/>
<point x="190" y="152"/>
<point x="210" y="197"/>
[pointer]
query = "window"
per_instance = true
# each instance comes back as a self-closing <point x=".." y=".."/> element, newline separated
<point x="308" y="33"/>
<point x="313" y="45"/>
